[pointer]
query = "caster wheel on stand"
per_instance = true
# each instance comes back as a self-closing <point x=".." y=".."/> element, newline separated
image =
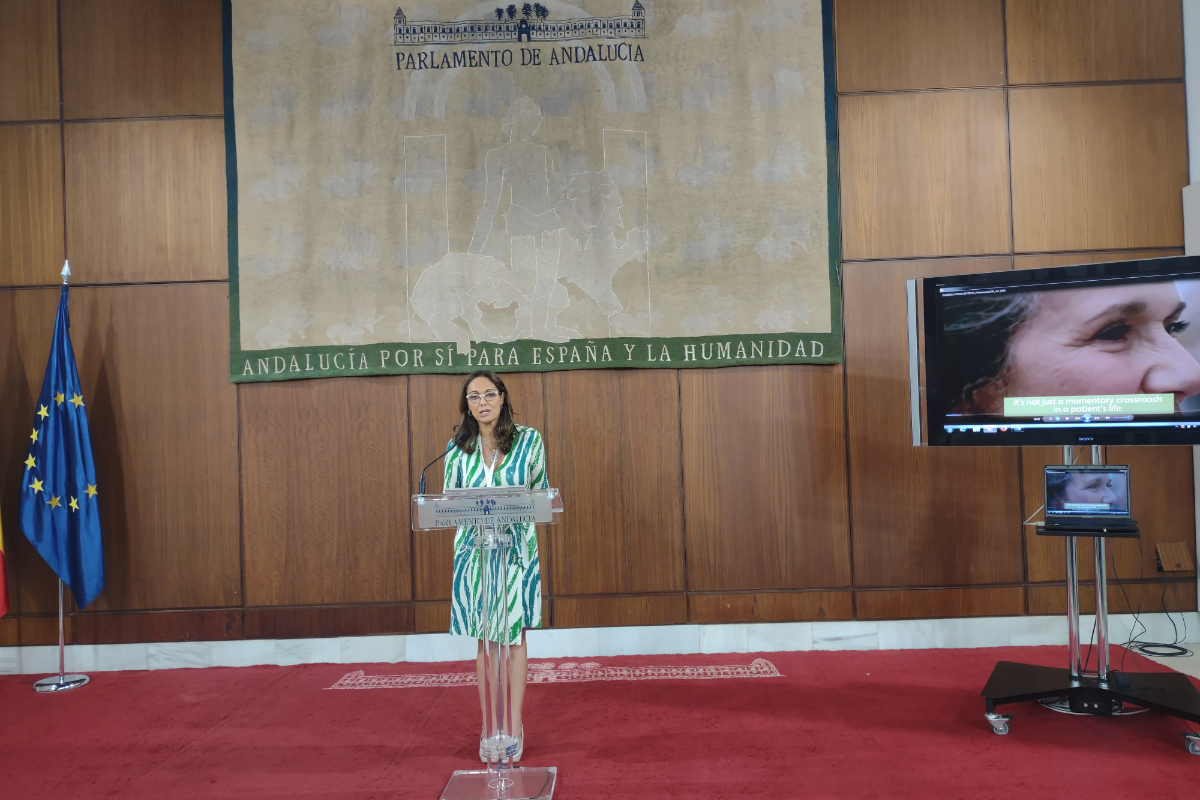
<point x="999" y="722"/>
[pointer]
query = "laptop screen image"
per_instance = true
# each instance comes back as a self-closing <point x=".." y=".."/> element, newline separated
<point x="1087" y="491"/>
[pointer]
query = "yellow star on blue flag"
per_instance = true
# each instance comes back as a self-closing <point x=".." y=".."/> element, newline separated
<point x="59" y="465"/>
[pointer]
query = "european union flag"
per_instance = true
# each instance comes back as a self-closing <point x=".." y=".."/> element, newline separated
<point x="58" y="509"/>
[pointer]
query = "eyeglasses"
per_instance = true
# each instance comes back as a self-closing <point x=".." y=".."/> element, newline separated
<point x="489" y="395"/>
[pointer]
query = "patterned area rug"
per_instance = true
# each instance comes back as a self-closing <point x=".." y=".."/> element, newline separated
<point x="566" y="672"/>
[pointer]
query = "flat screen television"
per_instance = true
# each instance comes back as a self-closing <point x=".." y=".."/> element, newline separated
<point x="1090" y="354"/>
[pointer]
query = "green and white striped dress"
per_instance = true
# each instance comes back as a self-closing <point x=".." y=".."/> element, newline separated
<point x="524" y="465"/>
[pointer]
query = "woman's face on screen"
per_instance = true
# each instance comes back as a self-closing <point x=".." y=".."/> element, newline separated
<point x="1090" y="489"/>
<point x="1118" y="339"/>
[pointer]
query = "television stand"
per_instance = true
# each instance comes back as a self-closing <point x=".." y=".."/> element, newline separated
<point x="1105" y="692"/>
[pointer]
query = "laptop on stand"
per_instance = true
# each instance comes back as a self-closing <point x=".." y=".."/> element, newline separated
<point x="1088" y="498"/>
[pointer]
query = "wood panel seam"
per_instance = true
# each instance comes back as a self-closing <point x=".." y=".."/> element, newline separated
<point x="62" y="132"/>
<point x="938" y="588"/>
<point x="385" y="604"/>
<point x="89" y="120"/>
<point x="845" y="372"/>
<point x="994" y="86"/>
<point x="1133" y="251"/>
<point x="241" y="509"/>
<point x="412" y="539"/>
<point x="1186" y="581"/>
<point x="188" y="282"/>
<point x="683" y="511"/>
<point x="803" y="590"/>
<point x="703" y="592"/>
<point x="142" y="611"/>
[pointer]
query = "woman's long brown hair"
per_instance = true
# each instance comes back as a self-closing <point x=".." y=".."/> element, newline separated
<point x="468" y="429"/>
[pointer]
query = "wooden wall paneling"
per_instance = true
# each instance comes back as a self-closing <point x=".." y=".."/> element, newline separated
<point x="764" y="478"/>
<point x="162" y="414"/>
<point x="1180" y="595"/>
<point x="982" y="601"/>
<point x="159" y="626"/>
<point x="1075" y="41"/>
<point x="1051" y="599"/>
<point x="8" y="631"/>
<point x="1151" y="597"/>
<point x="141" y="58"/>
<point x="1070" y="259"/>
<point x="433" y="413"/>
<point x="26" y="329"/>
<point x="32" y="585"/>
<point x="146" y="201"/>
<point x="1098" y="167"/>
<point x="960" y="519"/>
<point x="1163" y="503"/>
<point x="326" y="621"/>
<point x="433" y="617"/>
<point x="433" y="564"/>
<point x="323" y="520"/>
<point x="924" y="174"/>
<point x="769" y="606"/>
<point x="433" y="417"/>
<point x="606" y="612"/>
<point x="613" y="446"/>
<point x="918" y="44"/>
<point x="43" y="629"/>
<point x="29" y="59"/>
<point x="31" y="204"/>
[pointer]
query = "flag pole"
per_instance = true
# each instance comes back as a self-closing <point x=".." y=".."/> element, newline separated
<point x="62" y="682"/>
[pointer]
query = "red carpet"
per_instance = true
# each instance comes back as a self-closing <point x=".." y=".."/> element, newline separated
<point x="851" y="724"/>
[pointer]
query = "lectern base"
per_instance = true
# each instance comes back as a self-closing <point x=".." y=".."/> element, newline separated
<point x="528" y="783"/>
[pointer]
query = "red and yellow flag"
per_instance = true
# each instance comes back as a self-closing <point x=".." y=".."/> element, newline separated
<point x="3" y="585"/>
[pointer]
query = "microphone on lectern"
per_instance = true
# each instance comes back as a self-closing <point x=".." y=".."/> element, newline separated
<point x="421" y="485"/>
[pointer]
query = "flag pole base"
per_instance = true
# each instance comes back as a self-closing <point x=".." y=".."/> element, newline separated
<point x="60" y="683"/>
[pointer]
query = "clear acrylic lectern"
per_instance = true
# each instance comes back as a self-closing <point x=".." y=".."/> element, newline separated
<point x="489" y="510"/>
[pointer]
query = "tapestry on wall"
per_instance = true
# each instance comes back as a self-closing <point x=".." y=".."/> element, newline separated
<point x="529" y="187"/>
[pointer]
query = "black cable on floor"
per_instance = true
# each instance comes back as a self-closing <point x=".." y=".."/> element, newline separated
<point x="1137" y="615"/>
<point x="1156" y="649"/>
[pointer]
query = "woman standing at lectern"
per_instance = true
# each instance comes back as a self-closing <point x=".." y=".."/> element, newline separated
<point x="488" y="449"/>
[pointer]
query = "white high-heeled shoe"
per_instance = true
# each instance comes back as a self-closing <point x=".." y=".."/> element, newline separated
<point x="515" y="758"/>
